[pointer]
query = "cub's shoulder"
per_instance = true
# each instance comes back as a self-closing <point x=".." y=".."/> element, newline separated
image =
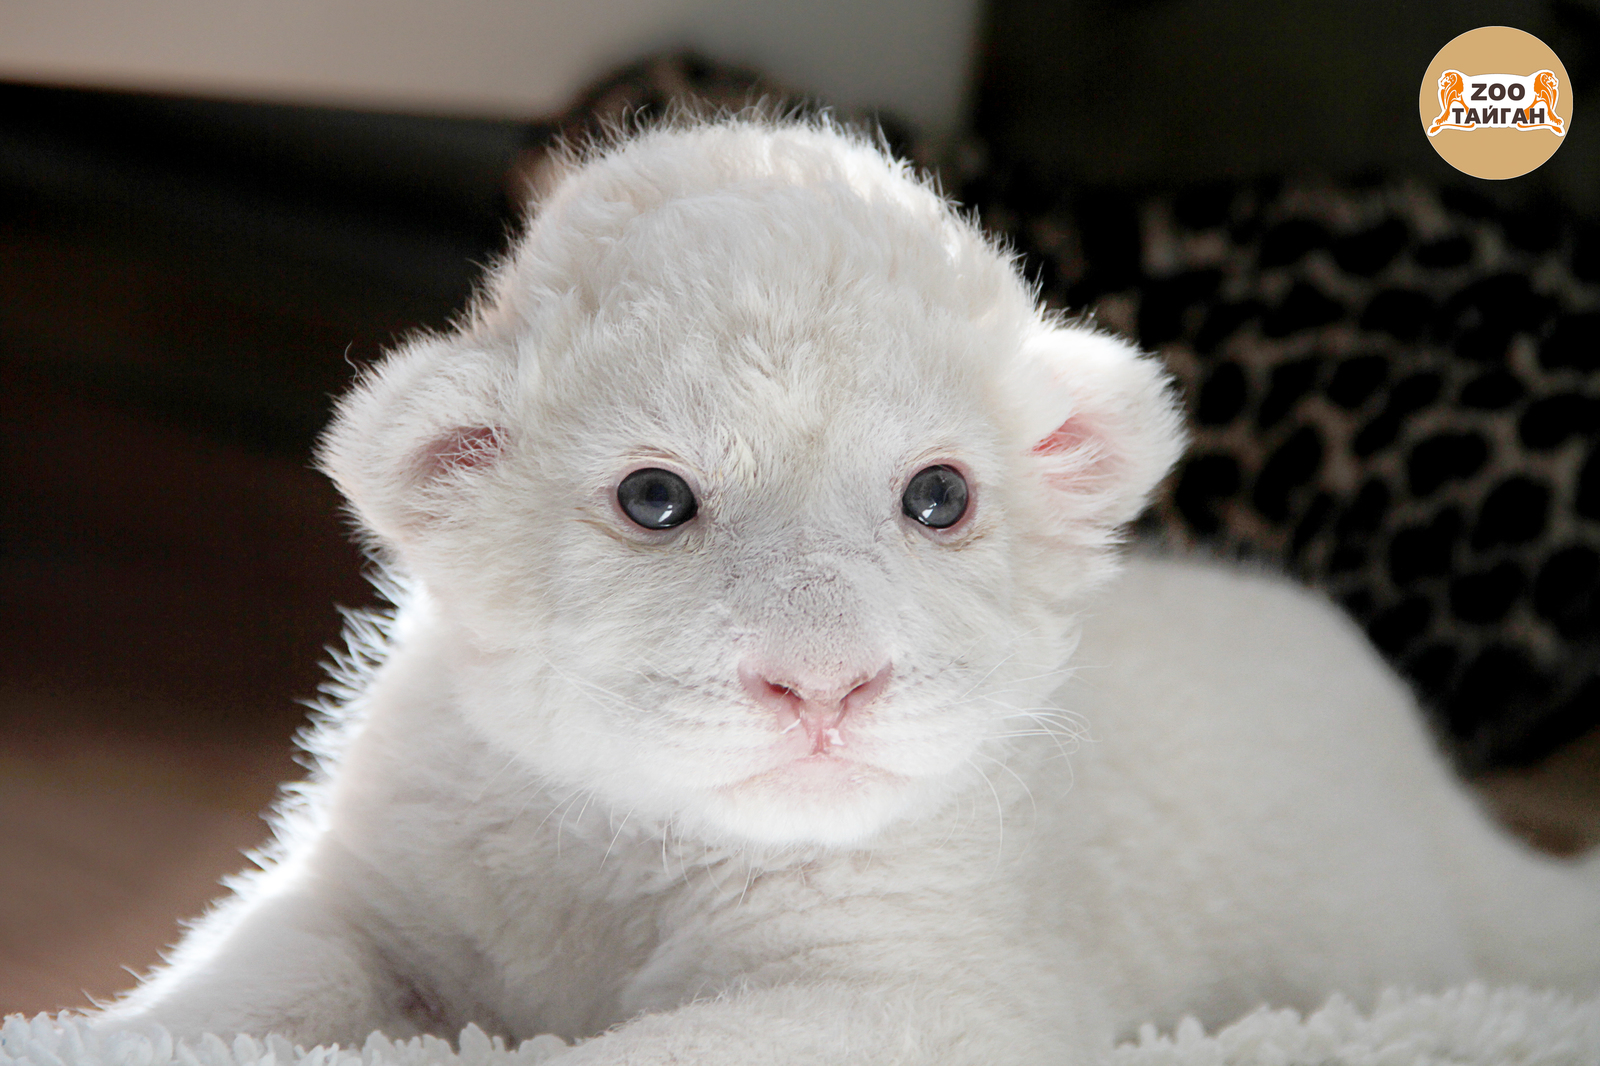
<point x="1240" y="632"/>
<point x="1190" y="591"/>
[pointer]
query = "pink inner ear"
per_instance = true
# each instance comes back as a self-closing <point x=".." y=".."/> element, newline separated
<point x="1075" y="455"/>
<point x="1067" y="437"/>
<point x="468" y="448"/>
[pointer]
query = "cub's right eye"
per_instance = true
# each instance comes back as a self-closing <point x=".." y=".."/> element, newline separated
<point x="936" y="497"/>
<point x="656" y="499"/>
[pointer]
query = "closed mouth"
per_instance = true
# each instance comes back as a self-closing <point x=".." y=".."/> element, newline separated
<point x="815" y="773"/>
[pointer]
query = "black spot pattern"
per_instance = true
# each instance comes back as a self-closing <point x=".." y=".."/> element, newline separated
<point x="1367" y="511"/>
<point x="1431" y="669"/>
<point x="1203" y="206"/>
<point x="1493" y="390"/>
<point x="1393" y="630"/>
<point x="1205" y="480"/>
<point x="1289" y="241"/>
<point x="1409" y="395"/>
<point x="1515" y="512"/>
<point x="1402" y="313"/>
<point x="1566" y="590"/>
<point x="1288" y="384"/>
<point x="1444" y="252"/>
<point x="1356" y="379"/>
<point x="1369" y="251"/>
<point x="1587" y="503"/>
<point x="1533" y="229"/>
<point x="1444" y="457"/>
<point x="1573" y="342"/>
<point x="1306" y="307"/>
<point x="1586" y="252"/>
<point x="1552" y="421"/>
<point x="1481" y="319"/>
<point x="1426" y="550"/>
<point x="1222" y="321"/>
<point x="1484" y="597"/>
<point x="1499" y="678"/>
<point x="1164" y="302"/>
<point x="1291" y="465"/>
<point x="1223" y="395"/>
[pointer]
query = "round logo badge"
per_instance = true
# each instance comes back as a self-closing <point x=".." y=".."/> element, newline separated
<point x="1495" y="102"/>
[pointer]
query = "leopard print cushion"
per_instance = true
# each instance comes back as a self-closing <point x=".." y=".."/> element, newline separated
<point x="1395" y="393"/>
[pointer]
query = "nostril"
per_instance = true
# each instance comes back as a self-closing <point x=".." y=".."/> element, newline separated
<point x="762" y="686"/>
<point x="866" y="691"/>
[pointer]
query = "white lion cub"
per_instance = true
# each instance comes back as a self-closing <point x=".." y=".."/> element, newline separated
<point x="750" y="523"/>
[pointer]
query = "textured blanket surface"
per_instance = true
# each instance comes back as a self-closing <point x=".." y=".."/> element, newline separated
<point x="1469" y="1026"/>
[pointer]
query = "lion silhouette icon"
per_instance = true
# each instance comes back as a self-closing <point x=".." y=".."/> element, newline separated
<point x="1452" y="87"/>
<point x="1547" y="90"/>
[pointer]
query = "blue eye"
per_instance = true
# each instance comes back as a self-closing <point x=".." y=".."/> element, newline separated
<point x="936" y="497"/>
<point x="656" y="499"/>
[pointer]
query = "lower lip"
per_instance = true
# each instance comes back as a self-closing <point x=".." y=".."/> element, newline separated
<point x="821" y="770"/>
<point x="823" y="760"/>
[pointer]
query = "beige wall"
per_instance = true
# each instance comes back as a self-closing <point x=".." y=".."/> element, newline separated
<point x="488" y="57"/>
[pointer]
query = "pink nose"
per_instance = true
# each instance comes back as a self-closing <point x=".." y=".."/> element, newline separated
<point x="814" y="701"/>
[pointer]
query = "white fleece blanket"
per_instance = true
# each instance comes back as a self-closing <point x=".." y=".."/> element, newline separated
<point x="1470" y="1026"/>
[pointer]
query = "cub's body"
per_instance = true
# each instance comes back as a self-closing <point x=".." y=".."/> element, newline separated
<point x="1032" y="805"/>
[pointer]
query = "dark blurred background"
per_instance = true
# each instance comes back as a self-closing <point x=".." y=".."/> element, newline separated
<point x="202" y="238"/>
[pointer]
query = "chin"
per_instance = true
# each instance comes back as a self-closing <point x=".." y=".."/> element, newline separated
<point x="816" y="801"/>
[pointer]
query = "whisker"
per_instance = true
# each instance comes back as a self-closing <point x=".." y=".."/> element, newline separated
<point x="1000" y="815"/>
<point x="1018" y="777"/>
<point x="620" y="827"/>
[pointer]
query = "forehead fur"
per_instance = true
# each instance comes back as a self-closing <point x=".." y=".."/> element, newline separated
<point x="789" y="280"/>
<point x="741" y="251"/>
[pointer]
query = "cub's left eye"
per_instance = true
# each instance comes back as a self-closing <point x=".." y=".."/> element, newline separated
<point x="936" y="497"/>
<point x="656" y="499"/>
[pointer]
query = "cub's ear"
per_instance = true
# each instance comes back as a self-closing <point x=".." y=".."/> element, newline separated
<point x="1101" y="422"/>
<point x="414" y="432"/>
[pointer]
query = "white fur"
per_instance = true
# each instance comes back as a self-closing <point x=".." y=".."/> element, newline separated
<point x="555" y="807"/>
